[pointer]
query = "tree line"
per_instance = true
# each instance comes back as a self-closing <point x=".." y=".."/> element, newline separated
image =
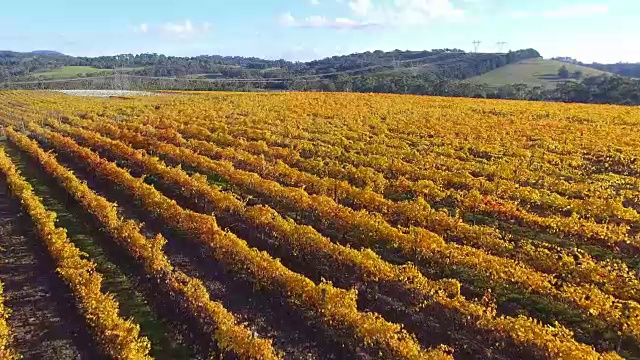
<point x="449" y="63"/>
<point x="436" y="72"/>
<point x="621" y="68"/>
<point x="601" y="89"/>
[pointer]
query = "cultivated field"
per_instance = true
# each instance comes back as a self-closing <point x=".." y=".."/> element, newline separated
<point x="70" y="72"/>
<point x="66" y="72"/>
<point x="317" y="226"/>
<point x="533" y="72"/>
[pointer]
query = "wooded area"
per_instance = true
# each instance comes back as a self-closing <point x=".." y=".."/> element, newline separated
<point x="437" y="72"/>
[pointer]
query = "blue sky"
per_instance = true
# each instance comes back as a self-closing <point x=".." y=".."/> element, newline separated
<point x="590" y="30"/>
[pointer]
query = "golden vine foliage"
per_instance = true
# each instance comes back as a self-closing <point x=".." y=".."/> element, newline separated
<point x="615" y="278"/>
<point x="420" y="245"/>
<point x="306" y="242"/>
<point x="118" y="337"/>
<point x="336" y="307"/>
<point x="229" y="335"/>
<point x="6" y="351"/>
<point x="531" y="201"/>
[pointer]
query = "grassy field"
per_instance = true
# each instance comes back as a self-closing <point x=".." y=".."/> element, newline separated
<point x="534" y="72"/>
<point x="73" y="71"/>
<point x="70" y="72"/>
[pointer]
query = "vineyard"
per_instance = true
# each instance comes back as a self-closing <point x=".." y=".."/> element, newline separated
<point x="317" y="226"/>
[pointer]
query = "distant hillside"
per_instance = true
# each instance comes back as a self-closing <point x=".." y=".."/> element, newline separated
<point x="446" y="63"/>
<point x="621" y="68"/>
<point x="438" y="72"/>
<point x="458" y="66"/>
<point x="46" y="52"/>
<point x="440" y="63"/>
<point x="533" y="72"/>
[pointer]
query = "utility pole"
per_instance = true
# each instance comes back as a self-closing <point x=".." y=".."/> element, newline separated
<point x="476" y="44"/>
<point x="501" y="45"/>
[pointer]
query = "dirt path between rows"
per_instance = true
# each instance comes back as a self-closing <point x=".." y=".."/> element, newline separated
<point x="43" y="319"/>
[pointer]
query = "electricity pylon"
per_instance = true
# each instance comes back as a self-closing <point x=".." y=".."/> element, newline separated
<point x="476" y="44"/>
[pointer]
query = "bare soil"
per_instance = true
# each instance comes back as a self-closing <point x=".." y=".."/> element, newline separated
<point x="44" y="321"/>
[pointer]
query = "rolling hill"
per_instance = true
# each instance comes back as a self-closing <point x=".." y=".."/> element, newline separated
<point x="441" y="72"/>
<point x="533" y="72"/>
<point x="47" y="52"/>
<point x="446" y="63"/>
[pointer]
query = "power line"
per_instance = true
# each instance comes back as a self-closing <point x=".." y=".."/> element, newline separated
<point x="501" y="45"/>
<point x="476" y="44"/>
<point x="117" y="75"/>
<point x="122" y="80"/>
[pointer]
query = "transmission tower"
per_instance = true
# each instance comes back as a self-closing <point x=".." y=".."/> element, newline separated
<point x="121" y="79"/>
<point x="476" y="44"/>
<point x="126" y="82"/>
<point x="501" y="45"/>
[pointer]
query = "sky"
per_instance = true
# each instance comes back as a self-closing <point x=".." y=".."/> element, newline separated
<point x="589" y="30"/>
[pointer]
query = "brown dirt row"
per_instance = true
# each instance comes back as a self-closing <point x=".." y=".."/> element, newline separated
<point x="44" y="321"/>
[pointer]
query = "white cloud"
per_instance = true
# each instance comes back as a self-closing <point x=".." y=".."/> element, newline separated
<point x="179" y="29"/>
<point x="318" y="21"/>
<point x="287" y="19"/>
<point x="315" y="21"/>
<point x="314" y="2"/>
<point x="569" y="11"/>
<point x="367" y="14"/>
<point x="142" y="28"/>
<point x="519" y="15"/>
<point x="406" y="12"/>
<point x="360" y="7"/>
<point x="577" y="10"/>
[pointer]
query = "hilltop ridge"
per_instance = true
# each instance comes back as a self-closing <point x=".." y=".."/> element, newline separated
<point x="445" y="63"/>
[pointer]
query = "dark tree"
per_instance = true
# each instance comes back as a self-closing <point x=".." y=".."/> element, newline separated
<point x="563" y="72"/>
